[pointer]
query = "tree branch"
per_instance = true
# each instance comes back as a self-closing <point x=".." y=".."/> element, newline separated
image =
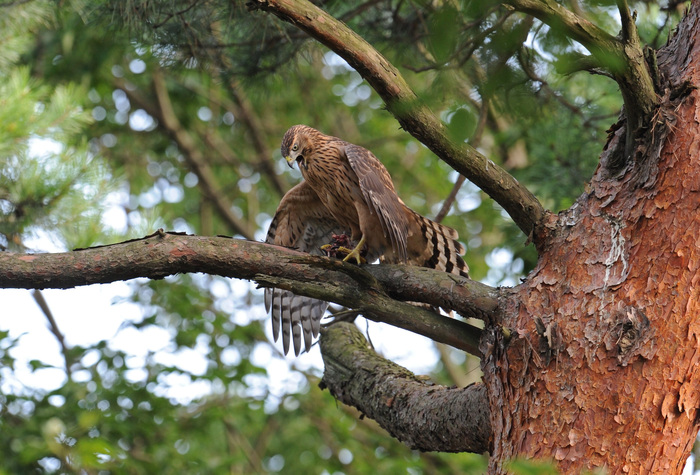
<point x="53" y="327"/>
<point x="622" y="58"/>
<point x="420" y="414"/>
<point x="575" y="62"/>
<point x="370" y="288"/>
<point x="629" y="29"/>
<point x="378" y="307"/>
<point x="593" y="38"/>
<point x="415" y="117"/>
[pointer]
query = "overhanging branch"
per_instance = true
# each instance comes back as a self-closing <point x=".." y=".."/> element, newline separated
<point x="592" y="37"/>
<point x="422" y="415"/>
<point x="415" y="117"/>
<point x="370" y="288"/>
<point x="622" y="57"/>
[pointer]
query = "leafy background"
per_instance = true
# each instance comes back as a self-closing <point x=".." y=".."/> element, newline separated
<point x="118" y="118"/>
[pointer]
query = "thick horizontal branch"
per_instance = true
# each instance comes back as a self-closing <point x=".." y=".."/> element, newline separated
<point x="422" y="415"/>
<point x="370" y="288"/>
<point x="415" y="117"/>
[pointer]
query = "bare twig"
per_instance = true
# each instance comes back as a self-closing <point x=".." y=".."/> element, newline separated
<point x="447" y="204"/>
<point x="530" y="73"/>
<point x="53" y="326"/>
<point x="475" y="141"/>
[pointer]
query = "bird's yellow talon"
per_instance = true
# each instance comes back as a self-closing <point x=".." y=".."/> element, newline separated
<point x="346" y="189"/>
<point x="352" y="253"/>
<point x="355" y="253"/>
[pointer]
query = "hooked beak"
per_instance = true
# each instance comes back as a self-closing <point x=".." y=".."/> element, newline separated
<point x="290" y="161"/>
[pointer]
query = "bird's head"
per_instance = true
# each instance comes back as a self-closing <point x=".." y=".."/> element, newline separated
<point x="297" y="145"/>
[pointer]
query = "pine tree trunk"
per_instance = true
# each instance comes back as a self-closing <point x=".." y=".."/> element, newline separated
<point x="597" y="362"/>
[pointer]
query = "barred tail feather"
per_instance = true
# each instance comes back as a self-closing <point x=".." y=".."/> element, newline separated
<point x="295" y="303"/>
<point x="441" y="251"/>
<point x="295" y="317"/>
<point x="270" y="308"/>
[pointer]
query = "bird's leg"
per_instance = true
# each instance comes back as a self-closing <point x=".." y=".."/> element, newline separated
<point x="355" y="253"/>
<point x="340" y="248"/>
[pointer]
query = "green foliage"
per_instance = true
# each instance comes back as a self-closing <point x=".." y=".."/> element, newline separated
<point x="15" y="24"/>
<point x="87" y="156"/>
<point x="55" y="189"/>
<point x="444" y="32"/>
<point x="531" y="467"/>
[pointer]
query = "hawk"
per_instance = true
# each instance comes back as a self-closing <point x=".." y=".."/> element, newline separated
<point x="346" y="191"/>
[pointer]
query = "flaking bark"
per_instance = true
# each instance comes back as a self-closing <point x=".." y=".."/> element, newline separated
<point x="601" y="369"/>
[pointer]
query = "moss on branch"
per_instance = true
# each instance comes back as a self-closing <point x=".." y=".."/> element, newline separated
<point x="423" y="415"/>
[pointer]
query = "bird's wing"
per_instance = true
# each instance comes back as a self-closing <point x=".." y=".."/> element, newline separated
<point x="301" y="222"/>
<point x="380" y="195"/>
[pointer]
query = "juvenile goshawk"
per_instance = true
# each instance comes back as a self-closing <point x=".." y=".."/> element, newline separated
<point x="346" y="190"/>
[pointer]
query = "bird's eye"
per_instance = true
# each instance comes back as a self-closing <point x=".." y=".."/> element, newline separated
<point x="295" y="147"/>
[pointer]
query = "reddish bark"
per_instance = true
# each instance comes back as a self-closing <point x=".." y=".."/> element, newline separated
<point x="601" y="369"/>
